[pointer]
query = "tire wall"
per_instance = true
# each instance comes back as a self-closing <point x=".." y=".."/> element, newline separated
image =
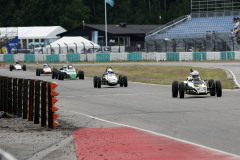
<point x="124" y="57"/>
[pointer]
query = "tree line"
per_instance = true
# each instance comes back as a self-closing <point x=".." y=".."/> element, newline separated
<point x="71" y="13"/>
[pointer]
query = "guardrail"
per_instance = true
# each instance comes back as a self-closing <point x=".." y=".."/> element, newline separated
<point x="30" y="99"/>
<point x="135" y="56"/>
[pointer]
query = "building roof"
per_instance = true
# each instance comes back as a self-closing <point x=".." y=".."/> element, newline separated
<point x="116" y="29"/>
<point x="43" y="32"/>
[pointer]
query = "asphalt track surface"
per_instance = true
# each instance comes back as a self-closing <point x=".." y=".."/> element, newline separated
<point x="209" y="121"/>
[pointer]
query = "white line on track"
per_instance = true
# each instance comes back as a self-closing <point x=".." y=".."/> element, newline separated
<point x="159" y="134"/>
<point x="234" y="78"/>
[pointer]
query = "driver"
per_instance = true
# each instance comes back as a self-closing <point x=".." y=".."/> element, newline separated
<point x="110" y="71"/>
<point x="194" y="75"/>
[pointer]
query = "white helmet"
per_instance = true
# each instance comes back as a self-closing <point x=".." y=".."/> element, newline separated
<point x="194" y="74"/>
<point x="110" y="71"/>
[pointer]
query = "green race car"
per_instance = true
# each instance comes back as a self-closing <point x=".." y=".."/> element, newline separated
<point x="67" y="72"/>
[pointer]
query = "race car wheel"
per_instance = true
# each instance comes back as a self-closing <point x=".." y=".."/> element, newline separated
<point x="181" y="90"/>
<point x="59" y="76"/>
<point x="125" y="82"/>
<point x="99" y="82"/>
<point x="53" y="74"/>
<point x="24" y="68"/>
<point x="95" y="81"/>
<point x="175" y="89"/>
<point x="219" y="88"/>
<point x="37" y="72"/>
<point x="81" y="75"/>
<point x="62" y="76"/>
<point x="121" y="80"/>
<point x="11" y="67"/>
<point x="211" y="85"/>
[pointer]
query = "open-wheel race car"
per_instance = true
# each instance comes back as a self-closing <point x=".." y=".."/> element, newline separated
<point x="194" y="85"/>
<point x="67" y="72"/>
<point x="44" y="70"/>
<point x="17" y="66"/>
<point x="110" y="78"/>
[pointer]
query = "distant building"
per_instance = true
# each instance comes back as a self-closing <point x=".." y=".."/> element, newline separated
<point x="130" y="36"/>
<point x="24" y="36"/>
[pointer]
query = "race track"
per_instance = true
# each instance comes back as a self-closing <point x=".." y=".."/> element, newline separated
<point x="204" y="120"/>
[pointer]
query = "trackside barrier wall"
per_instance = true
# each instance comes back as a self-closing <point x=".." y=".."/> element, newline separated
<point x="172" y="56"/>
<point x="102" y="57"/>
<point x="8" y="58"/>
<point x="118" y="56"/>
<point x="52" y="58"/>
<point x="29" y="58"/>
<point x="26" y="98"/>
<point x="135" y="56"/>
<point x="73" y="57"/>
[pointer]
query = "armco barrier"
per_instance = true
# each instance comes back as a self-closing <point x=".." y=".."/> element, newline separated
<point x="227" y="56"/>
<point x="28" y="99"/>
<point x="135" y="56"/>
<point x="52" y="58"/>
<point x="73" y="57"/>
<point x="172" y="56"/>
<point x="199" y="56"/>
<point x="103" y="57"/>
<point x="29" y="58"/>
<point x="8" y="57"/>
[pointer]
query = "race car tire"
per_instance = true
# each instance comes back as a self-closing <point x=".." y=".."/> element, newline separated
<point x="175" y="89"/>
<point x="11" y="67"/>
<point x="24" y="68"/>
<point x="81" y="75"/>
<point x="62" y="76"/>
<point x="53" y="74"/>
<point x="121" y="80"/>
<point x="99" y="82"/>
<point x="125" y="82"/>
<point x="59" y="76"/>
<point x="211" y="85"/>
<point x="37" y="72"/>
<point x="181" y="90"/>
<point x="95" y="81"/>
<point x="219" y="88"/>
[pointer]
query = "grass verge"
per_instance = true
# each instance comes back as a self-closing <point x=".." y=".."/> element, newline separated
<point x="163" y="75"/>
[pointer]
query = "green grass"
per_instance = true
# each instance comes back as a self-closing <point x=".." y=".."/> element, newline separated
<point x="163" y="75"/>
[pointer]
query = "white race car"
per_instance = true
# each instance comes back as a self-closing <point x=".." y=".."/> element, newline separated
<point x="44" y="70"/>
<point x="194" y="85"/>
<point x="17" y="66"/>
<point x="109" y="78"/>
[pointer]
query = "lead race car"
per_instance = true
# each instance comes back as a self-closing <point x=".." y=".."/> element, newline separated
<point x="110" y="78"/>
<point x="44" y="70"/>
<point x="17" y="66"/>
<point x="194" y="85"/>
<point x="67" y="72"/>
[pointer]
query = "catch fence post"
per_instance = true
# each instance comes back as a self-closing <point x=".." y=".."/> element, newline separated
<point x="31" y="100"/>
<point x="1" y="93"/>
<point x="20" y="95"/>
<point x="10" y="102"/>
<point x="37" y="102"/>
<point x="50" y="114"/>
<point x="5" y="94"/>
<point x="15" y="96"/>
<point x="43" y="103"/>
<point x="25" y="99"/>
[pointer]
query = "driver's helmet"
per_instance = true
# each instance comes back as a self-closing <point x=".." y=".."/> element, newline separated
<point x="64" y="67"/>
<point x="110" y="71"/>
<point x="17" y="62"/>
<point x="194" y="74"/>
<point x="45" y="66"/>
<point x="70" y="67"/>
